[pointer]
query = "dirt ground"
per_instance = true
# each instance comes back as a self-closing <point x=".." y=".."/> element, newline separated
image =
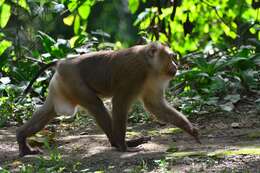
<point x="169" y="149"/>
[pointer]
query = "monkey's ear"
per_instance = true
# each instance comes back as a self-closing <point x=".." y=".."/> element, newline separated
<point x="152" y="49"/>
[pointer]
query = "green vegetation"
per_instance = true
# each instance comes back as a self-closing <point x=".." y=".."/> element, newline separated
<point x="254" y="135"/>
<point x="217" y="44"/>
<point x="54" y="163"/>
<point x="216" y="154"/>
<point x="241" y="151"/>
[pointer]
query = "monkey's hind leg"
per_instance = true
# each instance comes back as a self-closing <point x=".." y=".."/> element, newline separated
<point x="39" y="119"/>
<point x="90" y="101"/>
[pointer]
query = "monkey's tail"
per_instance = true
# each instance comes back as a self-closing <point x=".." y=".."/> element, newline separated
<point x="40" y="72"/>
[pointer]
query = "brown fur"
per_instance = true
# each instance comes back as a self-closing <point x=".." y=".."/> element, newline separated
<point x="138" y="72"/>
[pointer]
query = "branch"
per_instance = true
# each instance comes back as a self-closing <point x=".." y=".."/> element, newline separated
<point x="35" y="60"/>
<point x="159" y="7"/>
<point x="220" y="18"/>
<point x="174" y="6"/>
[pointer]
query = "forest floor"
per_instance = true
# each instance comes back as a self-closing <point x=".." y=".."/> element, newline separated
<point x="230" y="143"/>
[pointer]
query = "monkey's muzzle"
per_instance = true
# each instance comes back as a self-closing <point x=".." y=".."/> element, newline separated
<point x="172" y="69"/>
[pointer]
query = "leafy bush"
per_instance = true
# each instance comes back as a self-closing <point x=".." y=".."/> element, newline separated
<point x="216" y="75"/>
<point x="138" y="114"/>
<point x="189" y="25"/>
<point x="12" y="106"/>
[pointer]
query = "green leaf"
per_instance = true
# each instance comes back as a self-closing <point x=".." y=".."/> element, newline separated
<point x="201" y="74"/>
<point x="163" y="38"/>
<point x="73" y="5"/>
<point x="76" y="24"/>
<point x="133" y="5"/>
<point x="206" y="28"/>
<point x="84" y="10"/>
<point x="233" y="98"/>
<point x="145" y="23"/>
<point x="4" y="45"/>
<point x="256" y="59"/>
<point x="69" y="20"/>
<point x="46" y="40"/>
<point x="23" y="4"/>
<point x="252" y="30"/>
<point x="227" y="106"/>
<point x="5" y="80"/>
<point x="232" y="34"/>
<point x="240" y="62"/>
<point x="5" y="14"/>
<point x="73" y="40"/>
<point x="141" y="17"/>
<point x="1" y="2"/>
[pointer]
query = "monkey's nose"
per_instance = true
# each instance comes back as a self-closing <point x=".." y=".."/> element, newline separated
<point x="173" y="69"/>
<point x="175" y="65"/>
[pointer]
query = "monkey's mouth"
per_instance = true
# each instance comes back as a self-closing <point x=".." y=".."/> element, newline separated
<point x="172" y="72"/>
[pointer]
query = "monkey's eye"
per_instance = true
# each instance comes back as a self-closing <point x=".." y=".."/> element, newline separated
<point x="173" y="57"/>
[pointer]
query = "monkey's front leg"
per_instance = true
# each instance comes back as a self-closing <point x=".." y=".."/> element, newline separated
<point x="119" y="114"/>
<point x="119" y="122"/>
<point x="164" y="112"/>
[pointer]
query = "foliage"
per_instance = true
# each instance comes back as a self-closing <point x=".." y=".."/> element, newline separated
<point x="214" y="75"/>
<point x="217" y="42"/>
<point x="189" y="25"/>
<point x="138" y="113"/>
<point x="19" y="64"/>
<point x="80" y="11"/>
<point x="220" y="68"/>
<point x="55" y="163"/>
<point x="11" y="107"/>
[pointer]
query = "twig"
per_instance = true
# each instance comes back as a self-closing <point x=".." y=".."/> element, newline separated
<point x="174" y="7"/>
<point x="220" y="18"/>
<point x="253" y="24"/>
<point x="35" y="60"/>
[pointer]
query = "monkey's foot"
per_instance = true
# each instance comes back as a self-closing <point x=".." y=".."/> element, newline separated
<point x="138" y="141"/>
<point x="28" y="151"/>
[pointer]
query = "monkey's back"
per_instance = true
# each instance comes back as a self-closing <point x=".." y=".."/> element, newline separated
<point x="107" y="72"/>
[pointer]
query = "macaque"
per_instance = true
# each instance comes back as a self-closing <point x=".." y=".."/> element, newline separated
<point x="140" y="72"/>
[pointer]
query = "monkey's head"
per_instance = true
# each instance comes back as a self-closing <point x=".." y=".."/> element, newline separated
<point x="162" y="59"/>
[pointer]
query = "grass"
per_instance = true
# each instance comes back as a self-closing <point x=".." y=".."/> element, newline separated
<point x="241" y="151"/>
<point x="217" y="153"/>
<point x="254" y="135"/>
